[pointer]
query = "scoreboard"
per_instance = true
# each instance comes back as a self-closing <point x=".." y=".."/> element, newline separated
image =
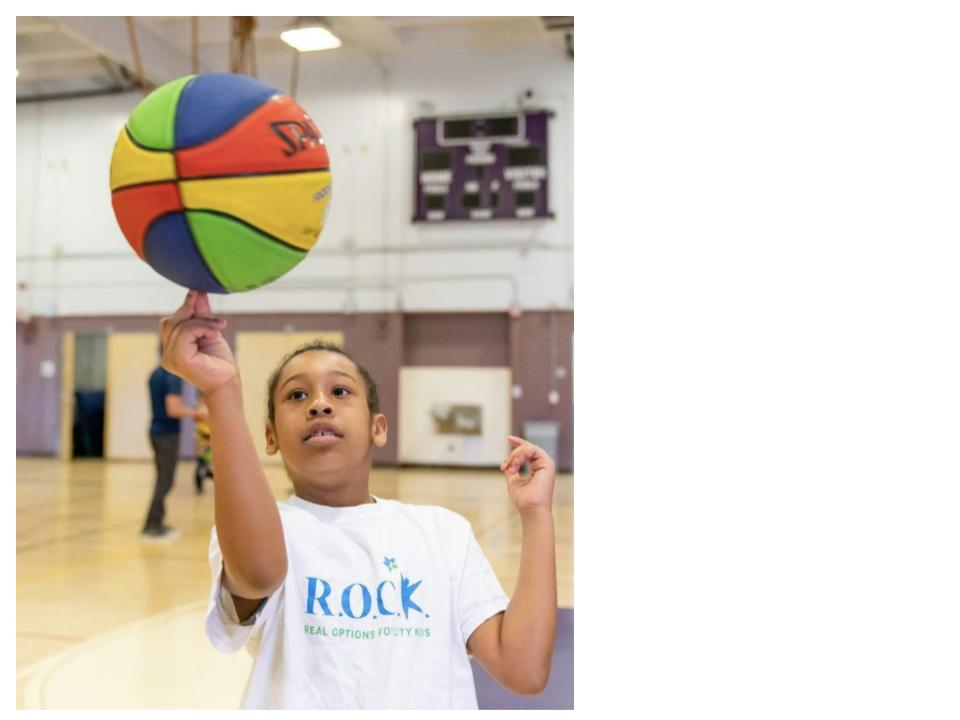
<point x="482" y="167"/>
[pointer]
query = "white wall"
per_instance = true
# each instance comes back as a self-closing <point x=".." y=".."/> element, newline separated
<point x="131" y="358"/>
<point x="424" y="389"/>
<point x="365" y="112"/>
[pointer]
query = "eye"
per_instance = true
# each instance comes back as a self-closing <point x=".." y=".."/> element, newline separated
<point x="340" y="391"/>
<point x="297" y="395"/>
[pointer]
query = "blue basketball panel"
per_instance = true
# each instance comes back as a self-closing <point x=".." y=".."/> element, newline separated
<point x="169" y="249"/>
<point x="212" y="103"/>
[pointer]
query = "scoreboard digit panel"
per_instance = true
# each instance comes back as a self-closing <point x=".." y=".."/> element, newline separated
<point x="481" y="167"/>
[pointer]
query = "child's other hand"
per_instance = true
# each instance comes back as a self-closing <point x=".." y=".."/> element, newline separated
<point x="536" y="491"/>
<point x="193" y="347"/>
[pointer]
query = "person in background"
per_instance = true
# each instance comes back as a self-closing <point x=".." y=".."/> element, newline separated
<point x="166" y="402"/>
<point x="204" y="454"/>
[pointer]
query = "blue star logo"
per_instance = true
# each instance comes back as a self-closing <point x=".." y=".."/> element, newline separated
<point x="391" y="563"/>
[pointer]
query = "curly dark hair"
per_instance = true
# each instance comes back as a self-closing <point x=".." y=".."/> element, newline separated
<point x="373" y="392"/>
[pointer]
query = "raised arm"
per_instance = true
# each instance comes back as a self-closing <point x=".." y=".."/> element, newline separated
<point x="248" y="523"/>
<point x="516" y="646"/>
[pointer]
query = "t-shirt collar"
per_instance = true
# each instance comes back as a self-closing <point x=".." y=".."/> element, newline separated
<point x="338" y="514"/>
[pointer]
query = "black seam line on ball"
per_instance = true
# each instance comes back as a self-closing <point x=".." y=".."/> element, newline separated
<point x="222" y="132"/>
<point x="176" y="116"/>
<point x="249" y="225"/>
<point x="121" y="188"/>
<point x="185" y="178"/>
<point x="180" y="178"/>
<point x="196" y="247"/>
<point x="176" y="113"/>
<point x="184" y="208"/>
<point x="140" y="145"/>
<point x="174" y="152"/>
<point x="176" y="170"/>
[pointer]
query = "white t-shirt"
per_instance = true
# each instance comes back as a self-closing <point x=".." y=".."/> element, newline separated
<point x="375" y="612"/>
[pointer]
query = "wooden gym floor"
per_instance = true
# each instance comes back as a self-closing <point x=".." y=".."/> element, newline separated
<point x="107" y="621"/>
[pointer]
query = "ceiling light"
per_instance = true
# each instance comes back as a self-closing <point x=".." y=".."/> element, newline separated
<point x="311" y="34"/>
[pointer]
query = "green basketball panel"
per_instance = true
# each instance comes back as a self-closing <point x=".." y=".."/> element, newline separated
<point x="152" y="122"/>
<point x="240" y="257"/>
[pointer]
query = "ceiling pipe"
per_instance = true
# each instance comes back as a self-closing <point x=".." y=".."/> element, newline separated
<point x="323" y="284"/>
<point x="335" y="252"/>
<point x="73" y="95"/>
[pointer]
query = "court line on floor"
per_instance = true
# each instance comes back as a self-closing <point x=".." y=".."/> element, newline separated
<point x="45" y="636"/>
<point x="38" y="673"/>
<point x="75" y="536"/>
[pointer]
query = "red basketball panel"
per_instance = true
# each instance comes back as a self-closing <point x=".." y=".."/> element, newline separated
<point x="276" y="137"/>
<point x="137" y="207"/>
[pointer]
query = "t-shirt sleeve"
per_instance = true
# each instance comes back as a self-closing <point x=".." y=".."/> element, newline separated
<point x="174" y="384"/>
<point x="481" y="596"/>
<point x="227" y="634"/>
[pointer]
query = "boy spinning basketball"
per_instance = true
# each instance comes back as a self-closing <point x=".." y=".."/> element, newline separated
<point x="346" y="600"/>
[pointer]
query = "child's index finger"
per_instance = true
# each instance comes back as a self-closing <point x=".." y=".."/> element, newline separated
<point x="202" y="306"/>
<point x="515" y="441"/>
<point x="185" y="311"/>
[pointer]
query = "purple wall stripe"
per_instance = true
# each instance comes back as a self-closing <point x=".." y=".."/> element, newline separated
<point x="532" y="345"/>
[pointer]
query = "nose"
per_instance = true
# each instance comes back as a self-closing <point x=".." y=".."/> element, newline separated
<point x="320" y="406"/>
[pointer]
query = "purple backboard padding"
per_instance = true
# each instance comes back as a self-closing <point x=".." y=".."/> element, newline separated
<point x="558" y="695"/>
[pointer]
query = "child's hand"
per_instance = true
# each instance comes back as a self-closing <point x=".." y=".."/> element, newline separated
<point x="535" y="492"/>
<point x="193" y="347"/>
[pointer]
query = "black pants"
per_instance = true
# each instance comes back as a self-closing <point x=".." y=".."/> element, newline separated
<point x="166" y="450"/>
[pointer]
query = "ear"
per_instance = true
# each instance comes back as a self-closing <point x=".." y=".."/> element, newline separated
<point x="272" y="446"/>
<point x="378" y="430"/>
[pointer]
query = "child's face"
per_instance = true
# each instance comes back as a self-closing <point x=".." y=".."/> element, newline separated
<point x="321" y="420"/>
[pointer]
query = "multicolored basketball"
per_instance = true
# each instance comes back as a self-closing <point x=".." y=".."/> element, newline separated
<point x="220" y="182"/>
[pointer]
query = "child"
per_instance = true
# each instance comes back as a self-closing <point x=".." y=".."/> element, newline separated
<point x="346" y="600"/>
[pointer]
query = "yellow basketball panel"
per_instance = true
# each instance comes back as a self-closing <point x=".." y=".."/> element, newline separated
<point x="289" y="206"/>
<point x="132" y="165"/>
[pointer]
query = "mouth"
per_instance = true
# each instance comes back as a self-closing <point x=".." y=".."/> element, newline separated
<point x="321" y="434"/>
